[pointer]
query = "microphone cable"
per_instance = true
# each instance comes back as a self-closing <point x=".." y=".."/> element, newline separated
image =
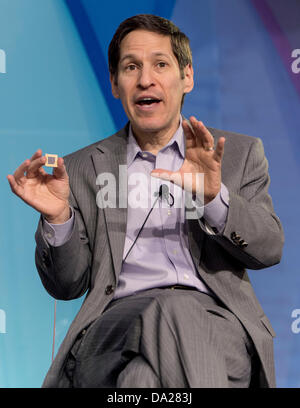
<point x="162" y="193"/>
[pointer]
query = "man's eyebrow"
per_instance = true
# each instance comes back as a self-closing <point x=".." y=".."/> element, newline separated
<point x="134" y="56"/>
<point x="161" y="54"/>
<point x="127" y="56"/>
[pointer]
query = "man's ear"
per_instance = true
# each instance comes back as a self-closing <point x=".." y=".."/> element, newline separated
<point x="188" y="78"/>
<point x="114" y="86"/>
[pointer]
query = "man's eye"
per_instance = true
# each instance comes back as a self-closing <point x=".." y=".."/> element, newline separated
<point x="130" y="67"/>
<point x="162" y="64"/>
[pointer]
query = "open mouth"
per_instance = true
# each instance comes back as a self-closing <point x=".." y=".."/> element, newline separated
<point x="147" y="101"/>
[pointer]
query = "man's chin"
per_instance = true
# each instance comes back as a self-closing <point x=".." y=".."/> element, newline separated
<point x="147" y="129"/>
<point x="149" y="126"/>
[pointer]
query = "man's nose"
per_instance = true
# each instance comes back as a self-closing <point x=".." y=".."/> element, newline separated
<point x="146" y="78"/>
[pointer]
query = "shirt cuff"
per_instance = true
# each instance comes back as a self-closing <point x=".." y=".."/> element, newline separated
<point x="216" y="211"/>
<point x="58" y="234"/>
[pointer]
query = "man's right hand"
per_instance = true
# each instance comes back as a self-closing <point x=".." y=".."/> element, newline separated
<point x="48" y="194"/>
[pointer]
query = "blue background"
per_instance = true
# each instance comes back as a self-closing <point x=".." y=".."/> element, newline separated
<point x="55" y="95"/>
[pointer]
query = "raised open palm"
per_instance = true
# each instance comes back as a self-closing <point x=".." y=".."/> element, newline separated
<point x="201" y="158"/>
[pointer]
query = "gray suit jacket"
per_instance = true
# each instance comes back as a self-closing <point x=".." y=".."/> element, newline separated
<point x="91" y="259"/>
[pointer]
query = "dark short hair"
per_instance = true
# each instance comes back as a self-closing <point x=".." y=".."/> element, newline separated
<point x="149" y="22"/>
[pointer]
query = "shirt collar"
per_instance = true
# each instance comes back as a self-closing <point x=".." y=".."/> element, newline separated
<point x="177" y="141"/>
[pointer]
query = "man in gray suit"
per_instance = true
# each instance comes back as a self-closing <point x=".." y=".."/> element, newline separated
<point x="161" y="255"/>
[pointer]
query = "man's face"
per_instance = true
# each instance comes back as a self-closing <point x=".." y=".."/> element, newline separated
<point x="149" y="82"/>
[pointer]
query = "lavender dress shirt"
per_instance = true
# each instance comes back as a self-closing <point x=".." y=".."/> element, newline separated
<point x="160" y="256"/>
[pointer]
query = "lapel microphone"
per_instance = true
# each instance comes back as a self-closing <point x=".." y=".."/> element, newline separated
<point x="163" y="193"/>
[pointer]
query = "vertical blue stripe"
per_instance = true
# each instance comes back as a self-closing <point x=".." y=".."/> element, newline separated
<point x="97" y="59"/>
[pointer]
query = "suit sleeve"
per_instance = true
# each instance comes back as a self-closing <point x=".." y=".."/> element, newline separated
<point x="65" y="270"/>
<point x="253" y="233"/>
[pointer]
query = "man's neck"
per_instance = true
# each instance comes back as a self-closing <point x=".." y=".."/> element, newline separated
<point x="153" y="142"/>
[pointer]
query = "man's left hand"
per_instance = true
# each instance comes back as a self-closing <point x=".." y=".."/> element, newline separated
<point x="201" y="156"/>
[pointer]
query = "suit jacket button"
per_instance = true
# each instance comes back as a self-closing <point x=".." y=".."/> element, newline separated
<point x="109" y="289"/>
<point x="45" y="258"/>
<point x="233" y="236"/>
<point x="243" y="243"/>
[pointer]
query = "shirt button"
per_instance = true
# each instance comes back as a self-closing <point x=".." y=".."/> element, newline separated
<point x="145" y="155"/>
<point x="109" y="289"/>
<point x="186" y="276"/>
<point x="175" y="252"/>
<point x="49" y="235"/>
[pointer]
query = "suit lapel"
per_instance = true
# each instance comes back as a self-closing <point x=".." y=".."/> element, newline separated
<point x="195" y="237"/>
<point x="107" y="158"/>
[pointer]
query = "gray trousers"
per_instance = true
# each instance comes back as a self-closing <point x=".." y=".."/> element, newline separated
<point x="163" y="338"/>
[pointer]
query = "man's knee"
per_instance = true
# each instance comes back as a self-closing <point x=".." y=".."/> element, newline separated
<point x="182" y="309"/>
<point x="138" y="374"/>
